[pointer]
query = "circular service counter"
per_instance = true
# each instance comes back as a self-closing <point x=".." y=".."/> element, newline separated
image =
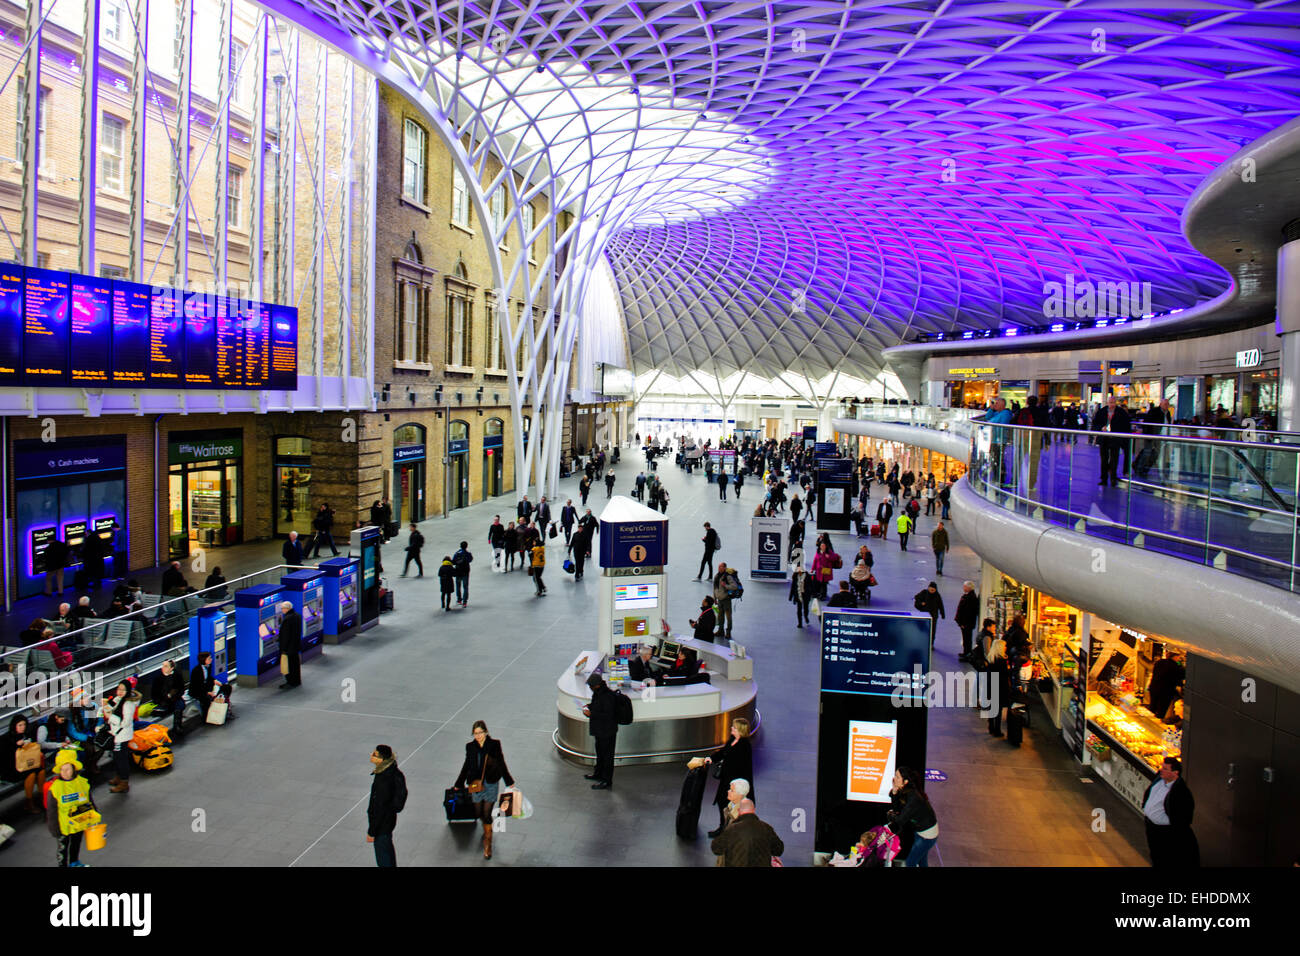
<point x="669" y="723"/>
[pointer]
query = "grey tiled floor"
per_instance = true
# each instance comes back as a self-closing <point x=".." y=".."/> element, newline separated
<point x="287" y="783"/>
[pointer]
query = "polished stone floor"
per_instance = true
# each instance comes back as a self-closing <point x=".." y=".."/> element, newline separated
<point x="287" y="783"/>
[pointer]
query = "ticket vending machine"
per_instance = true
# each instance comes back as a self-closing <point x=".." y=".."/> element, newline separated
<point x="633" y="592"/>
<point x="364" y="549"/>
<point x="208" y="633"/>
<point x="257" y="633"/>
<point x="305" y="589"/>
<point x="341" y="605"/>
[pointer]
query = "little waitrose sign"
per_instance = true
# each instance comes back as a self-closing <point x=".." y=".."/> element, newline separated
<point x="182" y="452"/>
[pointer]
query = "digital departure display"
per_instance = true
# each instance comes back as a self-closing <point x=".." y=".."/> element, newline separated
<point x="11" y="323"/>
<point x="59" y="328"/>
<point x="200" y="339"/>
<point x="45" y="327"/>
<point x="130" y="333"/>
<point x="92" y="330"/>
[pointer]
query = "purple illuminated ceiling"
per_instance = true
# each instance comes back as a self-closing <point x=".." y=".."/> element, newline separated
<point x="934" y="164"/>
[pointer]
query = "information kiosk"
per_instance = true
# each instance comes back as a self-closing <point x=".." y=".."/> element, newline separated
<point x="341" y="608"/>
<point x="364" y="549"/>
<point x="305" y="590"/>
<point x="257" y="633"/>
<point x="670" y="722"/>
<point x="208" y="633"/>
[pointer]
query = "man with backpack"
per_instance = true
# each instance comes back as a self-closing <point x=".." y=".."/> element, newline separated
<point x="460" y="562"/>
<point x="387" y="800"/>
<point x="606" y="711"/>
<point x="726" y="588"/>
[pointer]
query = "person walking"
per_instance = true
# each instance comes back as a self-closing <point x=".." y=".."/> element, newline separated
<point x="609" y="484"/>
<point x="413" y="545"/>
<point x="711" y="543"/>
<point x="931" y="494"/>
<point x="884" y="514"/>
<point x="584" y="486"/>
<point x="461" y="561"/>
<point x="736" y="757"/>
<point x="931" y="602"/>
<point x="446" y="581"/>
<point x="1167" y="808"/>
<point x="291" y="644"/>
<point x="722" y="484"/>
<point x="497" y="542"/>
<point x="966" y="616"/>
<point x="945" y="500"/>
<point x="910" y="814"/>
<point x="538" y="565"/>
<point x="568" y="518"/>
<point x="602" y="714"/>
<point x="725" y="585"/>
<point x="524" y="510"/>
<point x="905" y="526"/>
<point x="640" y="486"/>
<point x="747" y="841"/>
<point x="801" y="594"/>
<point x="738" y="482"/>
<point x="543" y="516"/>
<point x="483" y="770"/>
<point x="939" y="544"/>
<point x="66" y="796"/>
<point x="825" y="562"/>
<point x="510" y="545"/>
<point x="387" y="800"/>
<point x="323" y="523"/>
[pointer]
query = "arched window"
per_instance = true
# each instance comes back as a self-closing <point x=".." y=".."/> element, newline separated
<point x="493" y="427"/>
<point x="460" y="315"/>
<point x="412" y="297"/>
<point x="459" y="431"/>
<point x="408" y="435"/>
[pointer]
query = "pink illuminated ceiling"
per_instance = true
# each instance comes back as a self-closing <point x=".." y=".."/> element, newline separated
<point x="932" y="164"/>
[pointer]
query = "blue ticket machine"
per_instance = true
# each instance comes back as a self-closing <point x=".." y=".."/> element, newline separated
<point x="208" y="633"/>
<point x="305" y="589"/>
<point x="341" y="607"/>
<point x="257" y="633"/>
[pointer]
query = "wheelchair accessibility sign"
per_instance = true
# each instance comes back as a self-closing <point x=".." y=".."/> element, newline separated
<point x="768" y="547"/>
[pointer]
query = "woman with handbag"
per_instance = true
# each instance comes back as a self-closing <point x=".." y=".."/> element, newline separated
<point x="71" y="808"/>
<point x="21" y="760"/>
<point x="483" y="770"/>
<point x="119" y="712"/>
<point x="734" y="760"/>
<point x="824" y="563"/>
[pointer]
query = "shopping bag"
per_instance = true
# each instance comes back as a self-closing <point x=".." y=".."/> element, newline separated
<point x="499" y="561"/>
<point x="815" y="609"/>
<point x="284" y="663"/>
<point x="28" y="757"/>
<point x="512" y="803"/>
<point x="217" y="712"/>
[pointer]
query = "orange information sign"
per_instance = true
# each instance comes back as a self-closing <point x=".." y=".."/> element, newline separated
<point x="872" y="759"/>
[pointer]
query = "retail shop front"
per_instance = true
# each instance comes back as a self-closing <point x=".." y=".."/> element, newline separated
<point x="73" y="491"/>
<point x="971" y="386"/>
<point x="408" y="474"/>
<point x="205" y="493"/>
<point x="292" y="466"/>
<point x="1114" y="694"/>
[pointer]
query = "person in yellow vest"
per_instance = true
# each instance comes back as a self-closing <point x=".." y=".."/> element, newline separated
<point x="905" y="526"/>
<point x="538" y="566"/>
<point x="70" y="811"/>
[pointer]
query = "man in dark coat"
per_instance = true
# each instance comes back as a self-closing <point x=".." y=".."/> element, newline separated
<point x="324" y="524"/>
<point x="387" y="799"/>
<point x="602" y="713"/>
<point x="291" y="644"/>
<point x="524" y="510"/>
<point x="543" y="516"/>
<point x="1167" y="808"/>
<point x="173" y="580"/>
<point x="710" y="540"/>
<point x="747" y="840"/>
<point x="706" y="622"/>
<point x="56" y="559"/>
<point x="1113" y="421"/>
<point x="966" y="617"/>
<point x="292" y="551"/>
<point x="413" y="545"/>
<point x="568" y="518"/>
<point x="931" y="602"/>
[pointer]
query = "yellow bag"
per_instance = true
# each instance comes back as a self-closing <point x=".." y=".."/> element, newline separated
<point x="96" y="836"/>
<point x="284" y="663"/>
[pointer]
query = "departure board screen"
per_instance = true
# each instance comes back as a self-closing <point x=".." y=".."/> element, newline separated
<point x="200" y="339"/>
<point x="230" y="342"/>
<point x="130" y="333"/>
<point x="284" y="347"/>
<point x="92" y="330"/>
<point x="45" y="327"/>
<point x="11" y="323"/>
<point x="166" y="336"/>
<point x="60" y="328"/>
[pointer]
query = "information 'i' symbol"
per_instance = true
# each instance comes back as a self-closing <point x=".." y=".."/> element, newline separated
<point x="637" y="554"/>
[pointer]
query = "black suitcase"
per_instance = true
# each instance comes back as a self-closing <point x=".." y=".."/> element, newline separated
<point x="688" y="810"/>
<point x="1015" y="727"/>
<point x="458" y="805"/>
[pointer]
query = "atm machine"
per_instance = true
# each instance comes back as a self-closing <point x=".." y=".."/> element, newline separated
<point x="257" y="633"/>
<point x="341" y="607"/>
<point x="208" y="633"/>
<point x="305" y="589"/>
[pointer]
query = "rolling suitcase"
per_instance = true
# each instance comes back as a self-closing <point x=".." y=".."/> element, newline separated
<point x="458" y="806"/>
<point x="1015" y="726"/>
<point x="688" y="810"/>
